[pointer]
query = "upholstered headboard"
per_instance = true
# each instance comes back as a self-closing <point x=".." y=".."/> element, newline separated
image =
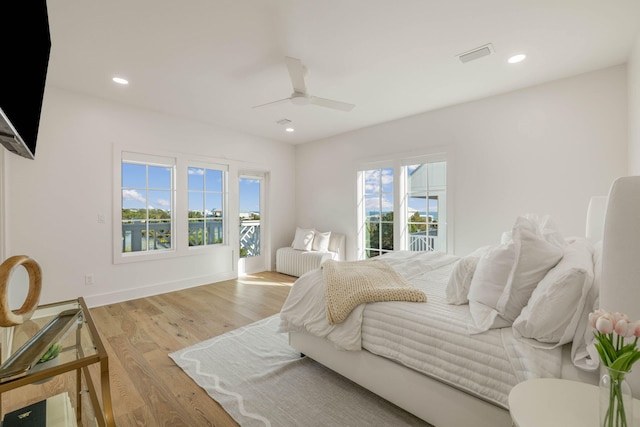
<point x="595" y="218"/>
<point x="620" y="288"/>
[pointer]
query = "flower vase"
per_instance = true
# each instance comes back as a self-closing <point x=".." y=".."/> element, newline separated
<point x="616" y="400"/>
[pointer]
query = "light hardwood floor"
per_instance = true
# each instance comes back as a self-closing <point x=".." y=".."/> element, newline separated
<point x="147" y="388"/>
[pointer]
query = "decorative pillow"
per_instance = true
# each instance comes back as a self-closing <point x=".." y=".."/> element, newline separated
<point x="507" y="275"/>
<point x="547" y="229"/>
<point x="457" y="288"/>
<point x="321" y="241"/>
<point x="303" y="241"/>
<point x="556" y="305"/>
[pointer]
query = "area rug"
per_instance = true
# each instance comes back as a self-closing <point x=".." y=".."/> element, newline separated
<point x="261" y="381"/>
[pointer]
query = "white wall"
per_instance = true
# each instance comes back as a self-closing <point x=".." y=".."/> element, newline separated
<point x="545" y="149"/>
<point x="53" y="202"/>
<point x="634" y="108"/>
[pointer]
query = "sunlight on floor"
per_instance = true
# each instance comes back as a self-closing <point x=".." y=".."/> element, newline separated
<point x="264" y="280"/>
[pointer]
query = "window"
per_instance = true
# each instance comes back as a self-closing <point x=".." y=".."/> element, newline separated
<point x="147" y="203"/>
<point x="402" y="205"/>
<point x="378" y="202"/>
<point x="168" y="205"/>
<point x="206" y="206"/>
<point x="425" y="195"/>
<point x="250" y="211"/>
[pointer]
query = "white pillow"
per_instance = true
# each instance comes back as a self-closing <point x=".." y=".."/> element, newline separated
<point x="321" y="241"/>
<point x="547" y="229"/>
<point x="303" y="241"/>
<point x="459" y="282"/>
<point x="507" y="275"/>
<point x="556" y="305"/>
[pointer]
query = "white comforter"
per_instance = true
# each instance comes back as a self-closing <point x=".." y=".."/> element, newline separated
<point x="304" y="309"/>
<point x="430" y="337"/>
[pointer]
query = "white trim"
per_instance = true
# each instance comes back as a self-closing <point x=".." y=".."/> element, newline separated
<point x="155" y="289"/>
<point x="439" y="152"/>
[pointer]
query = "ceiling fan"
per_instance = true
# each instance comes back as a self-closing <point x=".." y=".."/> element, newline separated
<point x="300" y="96"/>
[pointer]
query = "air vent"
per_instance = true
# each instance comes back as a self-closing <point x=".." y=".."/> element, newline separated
<point x="476" y="53"/>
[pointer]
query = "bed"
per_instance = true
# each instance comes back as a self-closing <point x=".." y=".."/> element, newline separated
<point x="453" y="362"/>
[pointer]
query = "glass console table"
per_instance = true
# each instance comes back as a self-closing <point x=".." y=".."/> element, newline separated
<point x="70" y="325"/>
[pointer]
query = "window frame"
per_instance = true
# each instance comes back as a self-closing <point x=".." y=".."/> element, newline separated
<point x="147" y="160"/>
<point x="179" y="208"/>
<point x="224" y="198"/>
<point x="364" y="218"/>
<point x="443" y="205"/>
<point x="399" y="162"/>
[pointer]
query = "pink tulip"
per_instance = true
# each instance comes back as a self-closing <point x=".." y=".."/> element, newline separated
<point x="604" y="324"/>
<point x="636" y="328"/>
<point x="624" y="328"/>
<point x="594" y="316"/>
<point x="616" y="317"/>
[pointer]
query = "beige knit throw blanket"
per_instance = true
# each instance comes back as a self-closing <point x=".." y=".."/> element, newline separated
<point x="351" y="283"/>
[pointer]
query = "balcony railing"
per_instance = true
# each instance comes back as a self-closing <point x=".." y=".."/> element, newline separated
<point x="136" y="239"/>
<point x="435" y="240"/>
<point x="421" y="242"/>
<point x="249" y="238"/>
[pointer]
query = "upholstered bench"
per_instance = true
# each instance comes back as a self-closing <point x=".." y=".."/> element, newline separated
<point x="310" y="248"/>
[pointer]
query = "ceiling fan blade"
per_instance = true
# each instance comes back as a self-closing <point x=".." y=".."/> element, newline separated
<point x="296" y="73"/>
<point x="272" y="102"/>
<point x="330" y="103"/>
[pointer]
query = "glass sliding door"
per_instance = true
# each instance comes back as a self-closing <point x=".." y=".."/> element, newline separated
<point x="252" y="231"/>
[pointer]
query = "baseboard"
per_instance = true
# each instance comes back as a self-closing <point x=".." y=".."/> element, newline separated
<point x="155" y="289"/>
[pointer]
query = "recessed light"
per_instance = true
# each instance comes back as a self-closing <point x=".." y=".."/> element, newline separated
<point x="120" y="80"/>
<point x="289" y="129"/>
<point x="517" y="58"/>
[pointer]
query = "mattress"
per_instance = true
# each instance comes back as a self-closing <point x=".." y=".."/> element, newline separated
<point x="431" y="338"/>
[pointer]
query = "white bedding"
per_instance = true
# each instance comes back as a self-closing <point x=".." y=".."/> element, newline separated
<point x="430" y="337"/>
<point x="304" y="309"/>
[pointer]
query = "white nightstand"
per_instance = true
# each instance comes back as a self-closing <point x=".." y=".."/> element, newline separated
<point x="552" y="402"/>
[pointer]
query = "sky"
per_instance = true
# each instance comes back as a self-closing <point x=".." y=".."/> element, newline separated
<point x="134" y="183"/>
<point x="379" y="192"/>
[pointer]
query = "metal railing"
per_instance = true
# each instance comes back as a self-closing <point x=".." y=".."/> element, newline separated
<point x="142" y="236"/>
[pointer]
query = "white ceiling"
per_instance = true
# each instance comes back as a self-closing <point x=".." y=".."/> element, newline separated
<point x="212" y="60"/>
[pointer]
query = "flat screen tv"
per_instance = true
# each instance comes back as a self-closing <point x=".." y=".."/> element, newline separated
<point x="26" y="43"/>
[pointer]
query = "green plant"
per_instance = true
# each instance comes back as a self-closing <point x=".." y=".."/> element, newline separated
<point x="51" y="353"/>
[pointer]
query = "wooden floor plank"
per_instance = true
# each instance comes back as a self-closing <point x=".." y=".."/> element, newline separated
<point x="147" y="388"/>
